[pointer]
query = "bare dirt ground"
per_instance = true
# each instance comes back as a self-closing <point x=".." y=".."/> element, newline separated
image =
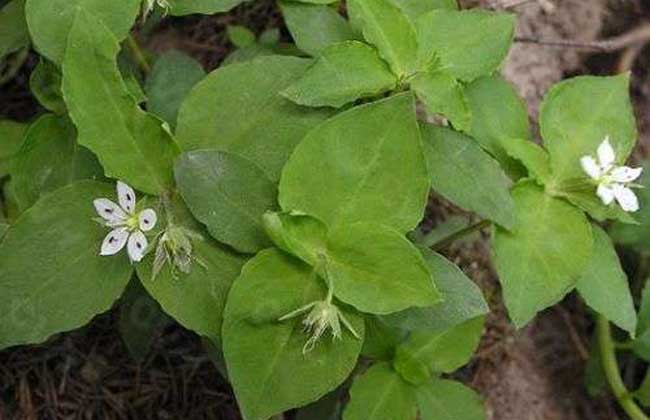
<point x="533" y="374"/>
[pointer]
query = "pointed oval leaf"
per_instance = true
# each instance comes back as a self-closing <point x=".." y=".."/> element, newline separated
<point x="229" y="194"/>
<point x="315" y="27"/>
<point x="543" y="257"/>
<point x="385" y="26"/>
<point x="206" y="7"/>
<point x="463" y="173"/>
<point x="462" y="299"/>
<point x="532" y="156"/>
<point x="265" y="359"/>
<point x="441" y="94"/>
<point x="377" y="270"/>
<point x="578" y="114"/>
<point x="237" y="108"/>
<point x="302" y="236"/>
<point x="342" y="73"/>
<point x="381" y="394"/>
<point x="50" y="158"/>
<point x="53" y="278"/>
<point x="469" y="43"/>
<point x="12" y="134"/>
<point x="50" y="21"/>
<point x="45" y="84"/>
<point x="449" y="400"/>
<point x="604" y="284"/>
<point x="131" y="145"/>
<point x="492" y="125"/>
<point x="365" y="164"/>
<point x="13" y="28"/>
<point x="172" y="77"/>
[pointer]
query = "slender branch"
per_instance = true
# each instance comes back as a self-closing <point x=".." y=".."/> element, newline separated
<point x="637" y="36"/>
<point x="612" y="373"/>
<point x="445" y="242"/>
<point x="137" y="54"/>
<point x="14" y="63"/>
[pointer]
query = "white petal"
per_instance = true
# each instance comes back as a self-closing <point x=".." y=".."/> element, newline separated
<point x="626" y="198"/>
<point x="590" y="166"/>
<point x="624" y="174"/>
<point x="606" y="154"/>
<point x="605" y="193"/>
<point x="147" y="219"/>
<point x="136" y="246"/>
<point x="114" y="241"/>
<point x="126" y="196"/>
<point x="109" y="211"/>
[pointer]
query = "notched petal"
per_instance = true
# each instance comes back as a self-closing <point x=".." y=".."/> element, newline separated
<point x="606" y="155"/>
<point x="625" y="174"/>
<point x="114" y="241"/>
<point x="109" y="210"/>
<point x="590" y="166"/>
<point x="136" y="246"/>
<point x="147" y="219"/>
<point x="126" y="196"/>
<point x="626" y="198"/>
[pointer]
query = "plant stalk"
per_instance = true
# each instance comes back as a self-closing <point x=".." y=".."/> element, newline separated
<point x="445" y="242"/>
<point x="612" y="373"/>
<point x="138" y="55"/>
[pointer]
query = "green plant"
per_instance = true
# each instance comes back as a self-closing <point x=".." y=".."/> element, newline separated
<point x="283" y="195"/>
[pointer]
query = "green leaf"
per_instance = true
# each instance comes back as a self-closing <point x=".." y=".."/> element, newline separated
<point x="3" y="229"/>
<point x="196" y="299"/>
<point x="381" y="394"/>
<point x="381" y="339"/>
<point x="13" y="28"/>
<point x="302" y="236"/>
<point x="229" y="194"/>
<point x="237" y="108"/>
<point x="131" y="145"/>
<point x="462" y="299"/>
<point x="206" y="7"/>
<point x="315" y="27"/>
<point x="327" y="408"/>
<point x="172" y="77"/>
<point x="442" y="94"/>
<point x="493" y="126"/>
<point x="141" y="320"/>
<point x="642" y="394"/>
<point x="240" y="36"/>
<point x="604" y="287"/>
<point x="595" y="378"/>
<point x="377" y="270"/>
<point x="265" y="359"/>
<point x="12" y="134"/>
<point x="463" y="173"/>
<point x="51" y="21"/>
<point x="449" y="400"/>
<point x="578" y="114"/>
<point x="370" y="151"/>
<point x="45" y="84"/>
<point x="532" y="156"/>
<point x="343" y="73"/>
<point x="440" y="351"/>
<point x="416" y="8"/>
<point x="53" y="278"/>
<point x="386" y="27"/>
<point x="543" y="257"/>
<point x="469" y="44"/>
<point x="641" y="344"/>
<point x="636" y="236"/>
<point x="49" y="159"/>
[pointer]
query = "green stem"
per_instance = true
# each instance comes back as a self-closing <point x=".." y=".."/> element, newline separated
<point x="610" y="366"/>
<point x="15" y="63"/>
<point x="138" y="55"/>
<point x="445" y="242"/>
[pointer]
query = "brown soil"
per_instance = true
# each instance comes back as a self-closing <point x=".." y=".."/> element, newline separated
<point x="533" y="374"/>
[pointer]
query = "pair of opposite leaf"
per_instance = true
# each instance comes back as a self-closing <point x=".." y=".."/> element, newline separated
<point x="407" y="50"/>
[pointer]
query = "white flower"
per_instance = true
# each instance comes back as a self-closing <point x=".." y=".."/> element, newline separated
<point x="148" y="5"/>
<point x="128" y="225"/>
<point x="613" y="181"/>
